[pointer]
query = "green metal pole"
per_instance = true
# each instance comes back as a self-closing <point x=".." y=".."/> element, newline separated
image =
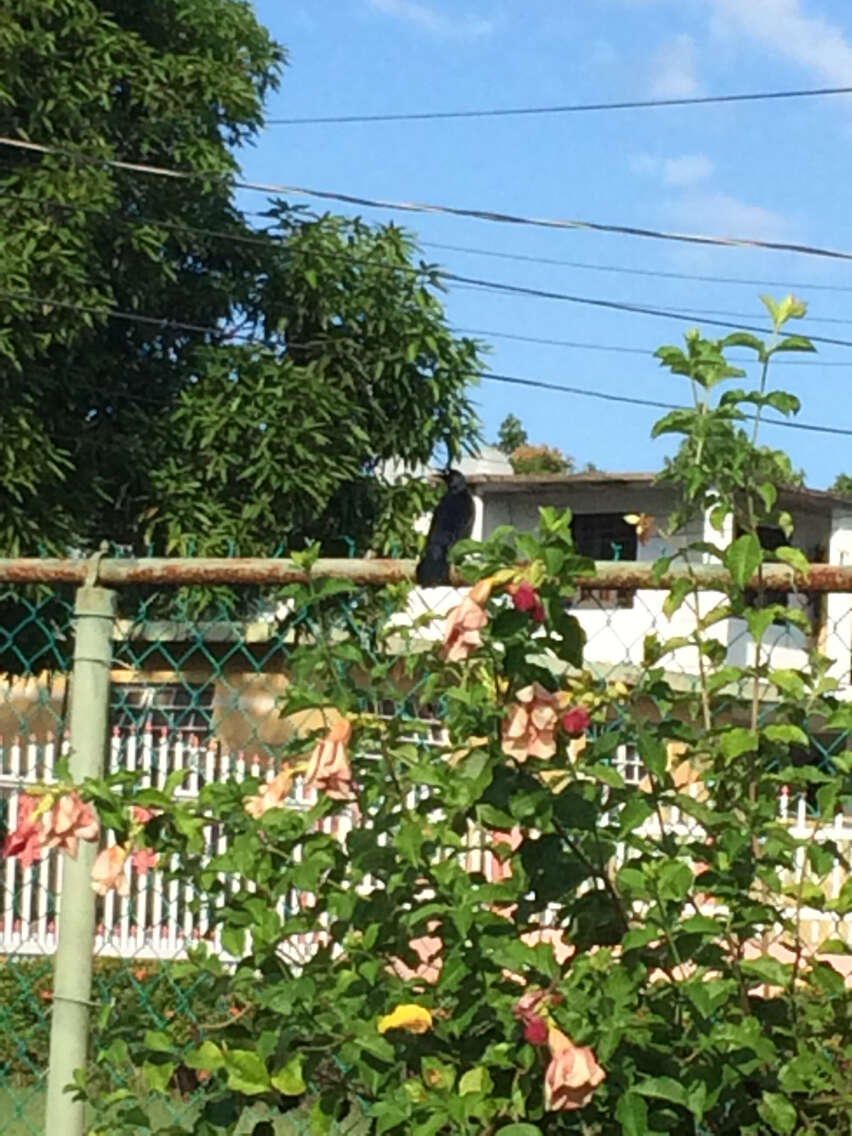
<point x="72" y="982"/>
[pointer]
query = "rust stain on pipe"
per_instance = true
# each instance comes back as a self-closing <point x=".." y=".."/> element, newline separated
<point x="609" y="575"/>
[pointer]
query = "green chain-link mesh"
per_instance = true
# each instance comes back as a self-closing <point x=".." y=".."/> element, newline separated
<point x="191" y="691"/>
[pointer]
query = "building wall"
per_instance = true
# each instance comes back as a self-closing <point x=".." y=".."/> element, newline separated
<point x="616" y="626"/>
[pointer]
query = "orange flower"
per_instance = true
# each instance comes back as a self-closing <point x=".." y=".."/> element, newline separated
<point x="428" y="949"/>
<point x="69" y="821"/>
<point x="501" y="869"/>
<point x="271" y="795"/>
<point x="329" y="770"/>
<point x="530" y="728"/>
<point x="572" y="1075"/>
<point x="25" y="841"/>
<point x="464" y="624"/>
<point x="143" y="860"/>
<point x="108" y="871"/>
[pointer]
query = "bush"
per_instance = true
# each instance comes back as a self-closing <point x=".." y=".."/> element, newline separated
<point x="631" y="959"/>
<point x="539" y="459"/>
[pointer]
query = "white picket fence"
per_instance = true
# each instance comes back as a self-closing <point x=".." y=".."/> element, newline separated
<point x="162" y="917"/>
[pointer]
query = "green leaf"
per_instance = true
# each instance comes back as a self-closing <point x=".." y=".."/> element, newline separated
<point x="438" y="1074"/>
<point x="246" y="1072"/>
<point x="520" y="1130"/>
<point x="743" y="558"/>
<point x="737" y="741"/>
<point x="777" y="1111"/>
<point x="208" y="1056"/>
<point x="783" y="402"/>
<point x="663" y="1088"/>
<point x="768" y="970"/>
<point x="635" y="812"/>
<point x="789" y="734"/>
<point x="744" y="339"/>
<point x="675" y="880"/>
<point x="794" y="343"/>
<point x="632" y="1114"/>
<point x="158" y="1041"/>
<point x="794" y="557"/>
<point x="680" y="589"/>
<point x="157" y="1075"/>
<point x="476" y="1080"/>
<point x="289" y="1080"/>
<point x="769" y="495"/>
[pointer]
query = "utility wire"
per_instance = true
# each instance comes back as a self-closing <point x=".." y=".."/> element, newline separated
<point x="623" y="269"/>
<point x="508" y="288"/>
<point x="261" y="240"/>
<point x="420" y="207"/>
<point x="487" y="375"/>
<point x="491" y="286"/>
<point x="647" y="352"/>
<point x="570" y="108"/>
<point x="650" y="402"/>
<point x="618" y="305"/>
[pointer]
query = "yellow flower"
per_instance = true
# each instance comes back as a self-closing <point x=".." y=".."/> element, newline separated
<point x="413" y="1019"/>
<point x="643" y="523"/>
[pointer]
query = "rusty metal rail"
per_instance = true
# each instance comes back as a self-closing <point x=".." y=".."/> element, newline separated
<point x="615" y="575"/>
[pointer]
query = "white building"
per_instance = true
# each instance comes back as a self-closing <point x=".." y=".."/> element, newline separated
<point x="616" y="623"/>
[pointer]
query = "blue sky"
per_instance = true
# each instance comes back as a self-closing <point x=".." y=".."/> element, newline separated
<point x="779" y="171"/>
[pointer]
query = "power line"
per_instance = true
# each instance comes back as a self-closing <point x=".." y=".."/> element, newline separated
<point x="262" y="238"/>
<point x="162" y="322"/>
<point x="647" y="352"/>
<point x="570" y="108"/>
<point x="488" y="375"/>
<point x="492" y="286"/>
<point x="585" y="392"/>
<point x="447" y="210"/>
<point x="623" y="269"/>
<point x="621" y="306"/>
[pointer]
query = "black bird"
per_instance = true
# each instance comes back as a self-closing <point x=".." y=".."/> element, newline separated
<point x="452" y="521"/>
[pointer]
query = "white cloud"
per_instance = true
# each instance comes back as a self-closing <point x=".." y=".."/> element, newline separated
<point x="683" y="171"/>
<point x="431" y="20"/>
<point x="722" y="215"/>
<point x="786" y="29"/>
<point x="645" y="164"/>
<point x="687" y="170"/>
<point x="674" y="69"/>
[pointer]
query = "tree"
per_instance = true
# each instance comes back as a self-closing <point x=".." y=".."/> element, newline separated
<point x="255" y="379"/>
<point x="540" y="459"/>
<point x="511" y="434"/>
<point x="842" y="484"/>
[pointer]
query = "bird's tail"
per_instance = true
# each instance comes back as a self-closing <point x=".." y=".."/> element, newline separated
<point x="433" y="570"/>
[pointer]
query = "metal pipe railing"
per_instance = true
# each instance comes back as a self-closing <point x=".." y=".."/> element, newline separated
<point x="623" y="575"/>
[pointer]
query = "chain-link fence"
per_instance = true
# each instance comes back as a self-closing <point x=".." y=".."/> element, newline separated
<point x="194" y="692"/>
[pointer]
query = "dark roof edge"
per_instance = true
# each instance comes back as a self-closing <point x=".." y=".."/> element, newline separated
<point x="531" y="481"/>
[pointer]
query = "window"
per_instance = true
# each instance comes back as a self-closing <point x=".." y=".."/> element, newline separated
<point x="183" y="709"/>
<point x="604" y="536"/>
<point x="629" y="765"/>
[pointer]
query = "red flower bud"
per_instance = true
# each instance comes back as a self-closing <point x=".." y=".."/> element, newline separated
<point x="535" y="1031"/>
<point x="526" y="598"/>
<point x="576" y="721"/>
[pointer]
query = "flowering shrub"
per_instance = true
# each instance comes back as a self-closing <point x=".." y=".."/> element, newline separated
<point x="612" y="971"/>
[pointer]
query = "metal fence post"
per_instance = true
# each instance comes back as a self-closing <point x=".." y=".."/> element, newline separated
<point x="72" y="984"/>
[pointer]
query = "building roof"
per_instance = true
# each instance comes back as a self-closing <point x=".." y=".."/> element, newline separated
<point x="487" y="483"/>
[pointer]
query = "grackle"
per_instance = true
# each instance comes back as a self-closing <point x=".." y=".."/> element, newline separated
<point x="452" y="521"/>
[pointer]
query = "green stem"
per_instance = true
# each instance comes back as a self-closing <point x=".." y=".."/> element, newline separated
<point x="763" y="374"/>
